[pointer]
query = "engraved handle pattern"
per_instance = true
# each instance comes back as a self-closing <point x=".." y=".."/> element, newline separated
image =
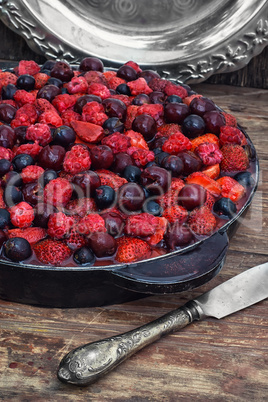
<point x="87" y="363"/>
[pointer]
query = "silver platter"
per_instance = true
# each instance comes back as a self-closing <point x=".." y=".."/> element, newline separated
<point x="186" y="40"/>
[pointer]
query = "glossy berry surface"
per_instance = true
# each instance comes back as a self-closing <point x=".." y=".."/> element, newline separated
<point x="192" y="196"/>
<point x="62" y="71"/>
<point x="225" y="207"/>
<point x="84" y="256"/>
<point x="7" y="113"/>
<point x="245" y="178"/>
<point x="130" y="197"/>
<point x="51" y="157"/>
<point x="91" y="63"/>
<point x="174" y="164"/>
<point x="127" y="73"/>
<point x="103" y="244"/>
<point x="178" y="236"/>
<point x="193" y="126"/>
<point x="104" y="196"/>
<point x="47" y="176"/>
<point x="152" y="207"/>
<point x="64" y="136"/>
<point x="4" y="218"/>
<point x="8" y="91"/>
<point x="5" y="166"/>
<point x="176" y="112"/>
<point x="146" y="125"/>
<point x="12" y="195"/>
<point x="132" y="173"/>
<point x="17" y="249"/>
<point x="26" y="82"/>
<point x="112" y="125"/>
<point x="21" y="161"/>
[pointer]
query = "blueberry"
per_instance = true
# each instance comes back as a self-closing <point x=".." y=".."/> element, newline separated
<point x="47" y="176"/>
<point x="48" y="65"/>
<point x="4" y="218"/>
<point x="21" y="161"/>
<point x="132" y="173"/>
<point x="64" y="91"/>
<point x="13" y="178"/>
<point x="84" y="256"/>
<point x="245" y="178"/>
<point x="12" y="195"/>
<point x="104" y="196"/>
<point x="174" y="99"/>
<point x="4" y="166"/>
<point x="225" y="207"/>
<point x="123" y="89"/>
<point x="64" y="136"/>
<point x="193" y="126"/>
<point x="152" y="208"/>
<point x="25" y="81"/>
<point x="17" y="249"/>
<point x="174" y="164"/>
<point x="112" y="125"/>
<point x="160" y="157"/>
<point x="54" y="81"/>
<point x="8" y="91"/>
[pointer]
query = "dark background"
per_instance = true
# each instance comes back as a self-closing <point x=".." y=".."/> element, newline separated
<point x="14" y="47"/>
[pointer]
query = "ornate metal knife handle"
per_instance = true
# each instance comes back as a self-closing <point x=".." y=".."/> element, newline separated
<point x="86" y="364"/>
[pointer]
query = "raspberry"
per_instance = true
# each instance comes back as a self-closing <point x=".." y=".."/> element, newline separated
<point x="141" y="156"/>
<point x="59" y="225"/>
<point x="40" y="80"/>
<point x="52" y="252"/>
<point x="77" y="159"/>
<point x="176" y="143"/>
<point x="166" y="130"/>
<point x="68" y="116"/>
<point x="113" y="82"/>
<point x="132" y="112"/>
<point x="31" y="173"/>
<point x="142" y="225"/>
<point x="111" y="179"/>
<point x="130" y="249"/>
<point x="175" y="213"/>
<point x="173" y="89"/>
<point x="158" y="84"/>
<point x="21" y="215"/>
<point x="39" y="132"/>
<point x="209" y="153"/>
<point x="231" y="188"/>
<point x="139" y="86"/>
<point x="99" y="89"/>
<point x="117" y="142"/>
<point x="209" y="137"/>
<point x="58" y="192"/>
<point x="202" y="221"/>
<point x="93" y="112"/>
<point x="90" y="224"/>
<point x="136" y="139"/>
<point x="6" y="153"/>
<point x="50" y="118"/>
<point x="81" y="206"/>
<point x="23" y="97"/>
<point x="29" y="149"/>
<point x="234" y="158"/>
<point x="77" y="84"/>
<point x="31" y="234"/>
<point x="63" y="101"/>
<point x="232" y="135"/>
<point x="95" y="77"/>
<point x="28" y="67"/>
<point x="154" y="110"/>
<point x="25" y="116"/>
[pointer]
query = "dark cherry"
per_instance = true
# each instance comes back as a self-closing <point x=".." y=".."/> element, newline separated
<point x="202" y="105"/>
<point x="127" y="73"/>
<point x="63" y="71"/>
<point x="25" y="81"/>
<point x="174" y="164"/>
<point x="4" y="218"/>
<point x="152" y="207"/>
<point x="5" y="166"/>
<point x="17" y="249"/>
<point x="91" y="63"/>
<point x="121" y="160"/>
<point x="176" y="112"/>
<point x="64" y="136"/>
<point x="115" y="108"/>
<point x="146" y="125"/>
<point x="102" y="244"/>
<point x="21" y="161"/>
<point x="123" y="89"/>
<point x="104" y="197"/>
<point x="148" y="75"/>
<point x="158" y="142"/>
<point x="130" y="197"/>
<point x="87" y="182"/>
<point x="7" y="113"/>
<point x="193" y="126"/>
<point x="114" y="223"/>
<point x="192" y="196"/>
<point x="214" y="120"/>
<point x="245" y="178"/>
<point x="102" y="157"/>
<point x="42" y="212"/>
<point x="112" y="125"/>
<point x="12" y="178"/>
<point x="7" y="137"/>
<point x="191" y="162"/>
<point x="84" y="256"/>
<point x="47" y="176"/>
<point x="83" y="100"/>
<point x="224" y="207"/>
<point x="48" y="92"/>
<point x="174" y="99"/>
<point x="20" y="134"/>
<point x="156" y="179"/>
<point x="8" y="91"/>
<point x="157" y="97"/>
<point x="178" y="236"/>
<point x="140" y="100"/>
<point x="32" y="193"/>
<point x="12" y="195"/>
<point x="48" y="65"/>
<point x="2" y="237"/>
<point x="54" y="81"/>
<point x="51" y="157"/>
<point x="132" y="173"/>
<point x="160" y="156"/>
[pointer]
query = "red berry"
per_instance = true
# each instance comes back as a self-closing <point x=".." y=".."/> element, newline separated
<point x="176" y="143"/>
<point x="52" y="252"/>
<point x="31" y="234"/>
<point x="209" y="153"/>
<point x="77" y="85"/>
<point x="22" y="215"/>
<point x="58" y="192"/>
<point x="232" y="135"/>
<point x="234" y="158"/>
<point x="59" y="225"/>
<point x="93" y="112"/>
<point x="28" y="67"/>
<point x="130" y="249"/>
<point x="175" y="213"/>
<point x="91" y="223"/>
<point x="139" y="86"/>
<point x="31" y="173"/>
<point x="202" y="221"/>
<point x="39" y="132"/>
<point x="77" y="159"/>
<point x="117" y="142"/>
<point x="142" y="225"/>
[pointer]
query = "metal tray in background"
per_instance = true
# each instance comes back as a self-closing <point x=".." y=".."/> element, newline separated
<point x="187" y="40"/>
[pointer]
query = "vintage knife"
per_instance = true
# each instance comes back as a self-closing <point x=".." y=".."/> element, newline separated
<point x="88" y="363"/>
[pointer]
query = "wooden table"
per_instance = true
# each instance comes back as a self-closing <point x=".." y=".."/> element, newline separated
<point x="212" y="360"/>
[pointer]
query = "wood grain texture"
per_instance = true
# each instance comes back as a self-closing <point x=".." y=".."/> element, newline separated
<point x="213" y="360"/>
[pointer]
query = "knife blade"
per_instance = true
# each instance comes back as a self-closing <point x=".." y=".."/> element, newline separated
<point x="86" y="364"/>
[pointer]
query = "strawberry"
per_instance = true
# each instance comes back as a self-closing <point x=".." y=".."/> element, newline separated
<point x="59" y="225"/>
<point x="77" y="159"/>
<point x="231" y="188"/>
<point x="171" y="196"/>
<point x="21" y="215"/>
<point x="232" y="135"/>
<point x="58" y="192"/>
<point x="166" y="130"/>
<point x="88" y="132"/>
<point x="229" y="119"/>
<point x="40" y="80"/>
<point x="209" y="153"/>
<point x="75" y="240"/>
<point x="68" y="116"/>
<point x="174" y="89"/>
<point x="160" y="231"/>
<point x="212" y="171"/>
<point x="52" y="252"/>
<point x="28" y="67"/>
<point x="210" y="200"/>
<point x="175" y="213"/>
<point x="117" y="142"/>
<point x="99" y="89"/>
<point x="77" y="84"/>
<point x="136" y="139"/>
<point x="202" y="221"/>
<point x="234" y="158"/>
<point x="43" y="105"/>
<point x="111" y="179"/>
<point x="93" y="112"/>
<point x="139" y="86"/>
<point x="208" y="138"/>
<point x="39" y="132"/>
<point x="205" y="181"/>
<point x="7" y="78"/>
<point x="31" y="234"/>
<point x="91" y="223"/>
<point x="142" y="225"/>
<point x="31" y="173"/>
<point x="130" y="249"/>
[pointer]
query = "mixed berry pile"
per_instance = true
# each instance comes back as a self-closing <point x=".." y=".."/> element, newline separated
<point x="112" y="165"/>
